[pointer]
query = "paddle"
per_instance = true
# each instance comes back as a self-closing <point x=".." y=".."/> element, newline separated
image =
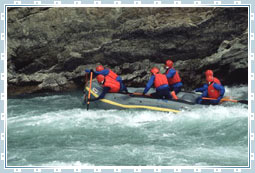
<point x="141" y="94"/>
<point x="149" y="95"/>
<point x="86" y="81"/>
<point x="90" y="81"/>
<point x="227" y="100"/>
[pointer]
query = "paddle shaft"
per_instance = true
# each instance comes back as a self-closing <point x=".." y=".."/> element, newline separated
<point x="141" y="94"/>
<point x="149" y="95"/>
<point x="227" y="100"/>
<point x="90" y="82"/>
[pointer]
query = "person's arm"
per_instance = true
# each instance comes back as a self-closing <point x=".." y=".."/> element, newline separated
<point x="119" y="79"/>
<point x="219" y="88"/>
<point x="87" y="70"/>
<point x="170" y="73"/>
<point x="200" y="98"/>
<point x="91" y="70"/>
<point x="102" y="72"/>
<point x="205" y="93"/>
<point x="105" y="90"/>
<point x="149" y="84"/>
<point x="202" y="89"/>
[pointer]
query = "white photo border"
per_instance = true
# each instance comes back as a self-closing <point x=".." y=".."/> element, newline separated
<point x="250" y="4"/>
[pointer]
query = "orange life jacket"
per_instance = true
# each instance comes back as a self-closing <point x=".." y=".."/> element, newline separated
<point x="160" y="79"/>
<point x="112" y="84"/>
<point x="212" y="92"/>
<point x="216" y="80"/>
<point x="175" y="79"/>
<point x="112" y="74"/>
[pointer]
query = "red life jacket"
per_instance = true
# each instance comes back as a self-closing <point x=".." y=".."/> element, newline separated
<point x="112" y="74"/>
<point x="212" y="92"/>
<point x="160" y="79"/>
<point x="216" y="80"/>
<point x="175" y="79"/>
<point x="112" y="84"/>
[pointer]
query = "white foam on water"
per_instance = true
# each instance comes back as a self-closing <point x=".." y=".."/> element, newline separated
<point x="81" y="117"/>
<point x="162" y="132"/>
<point x="237" y="92"/>
<point x="132" y="118"/>
<point x="78" y="116"/>
<point x="46" y="98"/>
<point x="218" y="112"/>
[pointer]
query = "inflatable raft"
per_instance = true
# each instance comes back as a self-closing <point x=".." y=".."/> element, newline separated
<point x="186" y="100"/>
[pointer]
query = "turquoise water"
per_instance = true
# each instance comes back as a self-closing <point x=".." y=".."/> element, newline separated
<point x="57" y="130"/>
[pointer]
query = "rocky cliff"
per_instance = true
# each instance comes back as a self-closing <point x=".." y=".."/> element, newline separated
<point x="49" y="48"/>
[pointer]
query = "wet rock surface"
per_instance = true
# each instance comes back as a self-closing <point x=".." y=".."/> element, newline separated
<point x="49" y="48"/>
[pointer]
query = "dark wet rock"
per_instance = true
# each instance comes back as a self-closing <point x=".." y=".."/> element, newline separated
<point x="49" y="48"/>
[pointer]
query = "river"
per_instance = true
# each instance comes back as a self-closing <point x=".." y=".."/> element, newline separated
<point x="57" y="130"/>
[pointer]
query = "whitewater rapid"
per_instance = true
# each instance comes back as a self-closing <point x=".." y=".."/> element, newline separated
<point x="57" y="130"/>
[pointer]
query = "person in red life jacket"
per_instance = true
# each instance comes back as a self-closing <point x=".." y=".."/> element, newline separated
<point x="160" y="83"/>
<point x="100" y="70"/>
<point x="109" y="86"/>
<point x="174" y="80"/>
<point x="204" y="87"/>
<point x="214" y="91"/>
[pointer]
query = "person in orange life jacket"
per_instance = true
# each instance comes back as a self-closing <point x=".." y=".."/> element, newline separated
<point x="213" y="90"/>
<point x="208" y="73"/>
<point x="173" y="77"/>
<point x="100" y="70"/>
<point x="160" y="83"/>
<point x="109" y="86"/>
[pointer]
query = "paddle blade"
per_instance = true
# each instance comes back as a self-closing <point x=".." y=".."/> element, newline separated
<point x="243" y="101"/>
<point x="84" y="99"/>
<point x="236" y="101"/>
<point x="87" y="107"/>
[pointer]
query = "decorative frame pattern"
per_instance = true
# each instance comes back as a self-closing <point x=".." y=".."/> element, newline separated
<point x="124" y="3"/>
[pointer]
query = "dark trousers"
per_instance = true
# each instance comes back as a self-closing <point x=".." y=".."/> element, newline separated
<point x="175" y="89"/>
<point x="162" y="94"/>
<point x="123" y="88"/>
